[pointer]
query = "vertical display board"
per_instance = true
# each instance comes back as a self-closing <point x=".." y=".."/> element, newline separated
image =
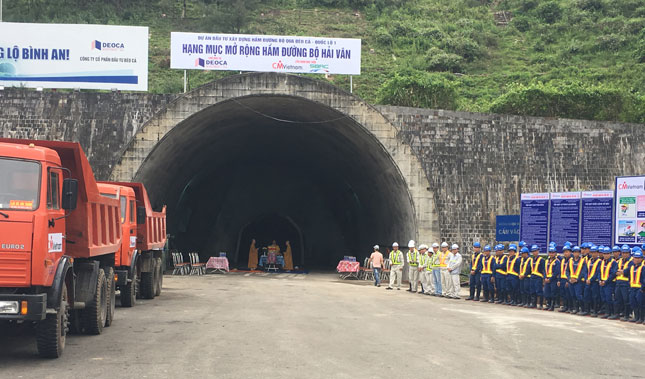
<point x="534" y="219"/>
<point x="629" y="205"/>
<point x="597" y="209"/>
<point x="507" y="228"/>
<point x="564" y="220"/>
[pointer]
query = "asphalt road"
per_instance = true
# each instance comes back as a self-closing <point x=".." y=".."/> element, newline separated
<point x="316" y="326"/>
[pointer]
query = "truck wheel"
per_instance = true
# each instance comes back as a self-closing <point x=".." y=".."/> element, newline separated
<point x="51" y="332"/>
<point x="96" y="311"/>
<point x="148" y="283"/>
<point x="111" y="296"/>
<point x="129" y="293"/>
<point x="159" y="282"/>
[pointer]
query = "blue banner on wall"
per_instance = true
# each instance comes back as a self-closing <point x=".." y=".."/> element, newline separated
<point x="564" y="224"/>
<point x="596" y="220"/>
<point x="507" y="228"/>
<point x="534" y="219"/>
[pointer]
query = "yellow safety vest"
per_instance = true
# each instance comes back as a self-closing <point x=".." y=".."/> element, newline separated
<point x="395" y="256"/>
<point x="594" y="266"/>
<point x="423" y="259"/>
<point x="621" y="266"/>
<point x="635" y="277"/>
<point x="442" y="258"/>
<point x="524" y="266"/>
<point x="563" y="268"/>
<point x="604" y="269"/>
<point x="549" y="269"/>
<point x="486" y="263"/>
<point x="510" y="266"/>
<point x="497" y="262"/>
<point x="414" y="257"/>
<point x="535" y="266"/>
<point x="574" y="275"/>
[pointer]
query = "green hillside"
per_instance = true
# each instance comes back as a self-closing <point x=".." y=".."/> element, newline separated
<point x="565" y="58"/>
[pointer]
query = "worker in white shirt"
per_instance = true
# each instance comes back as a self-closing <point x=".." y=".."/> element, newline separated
<point x="454" y="268"/>
<point x="445" y="274"/>
<point x="396" y="270"/>
<point x="413" y="266"/>
<point x="424" y="262"/>
<point x="436" y="271"/>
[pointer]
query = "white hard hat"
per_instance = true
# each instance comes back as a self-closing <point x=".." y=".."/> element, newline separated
<point x="454" y="246"/>
<point x="411" y="243"/>
<point x="444" y="244"/>
<point x="395" y="244"/>
<point x="435" y="245"/>
<point x="423" y="246"/>
<point x="376" y="247"/>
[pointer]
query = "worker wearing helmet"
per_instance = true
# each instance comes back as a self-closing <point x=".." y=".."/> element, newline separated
<point x="423" y="263"/>
<point x="435" y="262"/>
<point x="396" y="271"/>
<point x="429" y="288"/>
<point x="455" y="261"/>
<point x="487" y="267"/>
<point x="475" y="272"/>
<point x="634" y="273"/>
<point x="413" y="266"/>
<point x="622" y="283"/>
<point x="443" y="264"/>
<point x="513" y="267"/>
<point x="499" y="274"/>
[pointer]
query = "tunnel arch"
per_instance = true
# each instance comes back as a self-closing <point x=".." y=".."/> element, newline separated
<point x="233" y="150"/>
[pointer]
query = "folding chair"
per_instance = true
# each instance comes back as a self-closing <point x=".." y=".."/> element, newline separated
<point x="179" y="266"/>
<point x="367" y="272"/>
<point x="385" y="271"/>
<point x="196" y="268"/>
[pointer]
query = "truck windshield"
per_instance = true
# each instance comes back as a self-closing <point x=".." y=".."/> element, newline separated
<point x="19" y="184"/>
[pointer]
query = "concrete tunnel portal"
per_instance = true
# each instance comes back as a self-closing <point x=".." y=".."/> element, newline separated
<point x="276" y="167"/>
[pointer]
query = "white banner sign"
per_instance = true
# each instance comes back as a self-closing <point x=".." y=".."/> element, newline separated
<point x="240" y="52"/>
<point x="630" y="210"/>
<point x="74" y="56"/>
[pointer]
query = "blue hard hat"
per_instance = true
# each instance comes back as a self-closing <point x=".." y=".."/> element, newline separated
<point x="635" y="249"/>
<point x="576" y="248"/>
<point x="487" y="248"/>
<point x="643" y="246"/>
<point x="567" y="243"/>
<point x="566" y="247"/>
<point x="522" y="244"/>
<point x="624" y="248"/>
<point x="524" y="250"/>
<point x="638" y="254"/>
<point x="552" y="243"/>
<point x="552" y="249"/>
<point x="594" y="248"/>
<point x="500" y="247"/>
<point x="601" y="247"/>
<point x="535" y="247"/>
<point x="615" y="248"/>
<point x="512" y="247"/>
<point x="477" y="244"/>
<point x="606" y="250"/>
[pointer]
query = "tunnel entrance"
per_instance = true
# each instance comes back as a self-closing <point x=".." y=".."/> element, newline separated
<point x="231" y="154"/>
<point x="264" y="231"/>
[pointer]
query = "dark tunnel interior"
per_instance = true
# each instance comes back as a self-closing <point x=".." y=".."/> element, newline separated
<point x="277" y="168"/>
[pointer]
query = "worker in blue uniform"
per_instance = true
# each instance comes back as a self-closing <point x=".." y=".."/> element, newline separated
<point x="551" y="278"/>
<point x="525" y="277"/>
<point x="537" y="278"/>
<point x="635" y="269"/>
<point x="615" y="251"/>
<point x="500" y="274"/>
<point x="563" y="280"/>
<point x="621" y="291"/>
<point x="486" y="275"/>
<point x="475" y="272"/>
<point x="513" y="275"/>
<point x="607" y="284"/>
<point x="592" y="289"/>
<point x="577" y="275"/>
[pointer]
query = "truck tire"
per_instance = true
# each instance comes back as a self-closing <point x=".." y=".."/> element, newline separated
<point x="109" y="276"/>
<point x="148" y="283"/>
<point x="51" y="332"/>
<point x="129" y="293"/>
<point x="159" y="281"/>
<point x="96" y="311"/>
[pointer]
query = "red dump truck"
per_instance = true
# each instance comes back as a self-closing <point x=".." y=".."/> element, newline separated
<point x="58" y="240"/>
<point x="139" y="262"/>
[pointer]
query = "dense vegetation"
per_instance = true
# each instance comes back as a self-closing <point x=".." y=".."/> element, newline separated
<point x="565" y="58"/>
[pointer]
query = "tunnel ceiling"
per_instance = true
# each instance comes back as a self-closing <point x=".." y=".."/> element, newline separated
<point x="243" y="159"/>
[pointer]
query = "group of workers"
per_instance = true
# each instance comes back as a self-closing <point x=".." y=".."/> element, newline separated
<point x="599" y="281"/>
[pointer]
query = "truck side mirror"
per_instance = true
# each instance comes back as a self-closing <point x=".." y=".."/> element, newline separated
<point x="141" y="215"/>
<point x="70" y="194"/>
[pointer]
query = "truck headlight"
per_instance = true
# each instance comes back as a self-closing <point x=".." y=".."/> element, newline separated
<point x="9" y="307"/>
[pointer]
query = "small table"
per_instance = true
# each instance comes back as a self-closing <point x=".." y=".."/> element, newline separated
<point x="264" y="261"/>
<point x="218" y="264"/>
<point x="348" y="269"/>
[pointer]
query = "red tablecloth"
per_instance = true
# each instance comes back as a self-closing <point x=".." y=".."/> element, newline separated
<point x="348" y="266"/>
<point x="218" y="263"/>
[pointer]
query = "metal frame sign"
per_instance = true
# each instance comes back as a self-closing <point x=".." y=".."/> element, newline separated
<point x="534" y="219"/>
<point x="597" y="209"/>
<point x="507" y="228"/>
<point x="74" y="56"/>
<point x="243" y="52"/>
<point x="629" y="203"/>
<point x="564" y="218"/>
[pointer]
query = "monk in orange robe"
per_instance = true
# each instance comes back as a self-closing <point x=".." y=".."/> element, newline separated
<point x="288" y="260"/>
<point x="253" y="256"/>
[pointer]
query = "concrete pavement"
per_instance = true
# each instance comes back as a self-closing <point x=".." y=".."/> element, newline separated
<point x="316" y="326"/>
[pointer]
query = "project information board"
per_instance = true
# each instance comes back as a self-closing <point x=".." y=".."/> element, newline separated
<point x="564" y="224"/>
<point x="630" y="210"/>
<point x="597" y="209"/>
<point x="534" y="219"/>
<point x="74" y="56"/>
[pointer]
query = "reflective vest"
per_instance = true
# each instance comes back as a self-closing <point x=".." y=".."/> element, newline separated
<point x="594" y="266"/>
<point x="476" y="261"/>
<point x="575" y="274"/>
<point x="524" y="266"/>
<point x="413" y="257"/>
<point x="423" y="259"/>
<point x="535" y="267"/>
<point x="396" y="257"/>
<point x="621" y="266"/>
<point x="635" y="277"/>
<point x="429" y="262"/>
<point x="549" y="268"/>
<point x="563" y="268"/>
<point x="486" y="265"/>
<point x="499" y="262"/>
<point x="510" y="265"/>
<point x="443" y="256"/>
<point x="605" y="267"/>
